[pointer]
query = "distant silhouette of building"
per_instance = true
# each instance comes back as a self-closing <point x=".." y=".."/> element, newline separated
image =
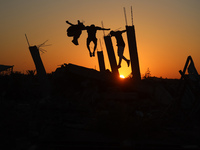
<point x="4" y="68"/>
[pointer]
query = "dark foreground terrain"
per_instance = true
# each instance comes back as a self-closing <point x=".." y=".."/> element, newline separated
<point x="71" y="111"/>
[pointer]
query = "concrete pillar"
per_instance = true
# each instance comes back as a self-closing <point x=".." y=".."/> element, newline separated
<point x="133" y="53"/>
<point x="37" y="60"/>
<point x="101" y="61"/>
<point x="111" y="55"/>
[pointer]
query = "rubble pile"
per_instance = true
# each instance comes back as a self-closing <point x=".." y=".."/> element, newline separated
<point x="84" y="109"/>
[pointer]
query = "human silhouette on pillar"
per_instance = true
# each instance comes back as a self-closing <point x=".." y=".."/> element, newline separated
<point x="91" y="30"/>
<point x="75" y="31"/>
<point x="120" y="45"/>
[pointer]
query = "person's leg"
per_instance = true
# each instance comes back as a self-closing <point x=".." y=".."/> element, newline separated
<point x="120" y="54"/>
<point x="75" y="40"/>
<point x="119" y="63"/>
<point x="127" y="61"/>
<point x="95" y="46"/>
<point x="76" y="36"/>
<point x="88" y="46"/>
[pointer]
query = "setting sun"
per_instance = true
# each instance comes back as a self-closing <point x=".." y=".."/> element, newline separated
<point x="122" y="76"/>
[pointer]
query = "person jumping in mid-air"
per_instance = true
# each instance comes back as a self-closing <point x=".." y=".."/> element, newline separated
<point x="91" y="30"/>
<point x="75" y="31"/>
<point x="120" y="45"/>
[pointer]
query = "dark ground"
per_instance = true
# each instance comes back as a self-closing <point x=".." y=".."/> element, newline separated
<point x="78" y="112"/>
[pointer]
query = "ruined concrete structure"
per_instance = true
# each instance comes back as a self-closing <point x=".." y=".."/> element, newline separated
<point x="111" y="55"/>
<point x="101" y="61"/>
<point x="133" y="53"/>
<point x="38" y="61"/>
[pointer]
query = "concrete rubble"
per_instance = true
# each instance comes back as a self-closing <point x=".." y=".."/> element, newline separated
<point x="87" y="110"/>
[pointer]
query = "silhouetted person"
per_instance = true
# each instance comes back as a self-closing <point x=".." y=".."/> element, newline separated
<point x="91" y="30"/>
<point x="120" y="45"/>
<point x="75" y="31"/>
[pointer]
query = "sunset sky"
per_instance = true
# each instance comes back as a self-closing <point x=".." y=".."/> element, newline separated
<point x="167" y="31"/>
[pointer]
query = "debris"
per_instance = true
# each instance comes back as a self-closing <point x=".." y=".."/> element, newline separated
<point x="139" y="113"/>
<point x="162" y="95"/>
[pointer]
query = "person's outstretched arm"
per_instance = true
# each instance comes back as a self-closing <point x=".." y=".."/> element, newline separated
<point x="99" y="28"/>
<point x="105" y="28"/>
<point x="69" y="23"/>
<point x="123" y="31"/>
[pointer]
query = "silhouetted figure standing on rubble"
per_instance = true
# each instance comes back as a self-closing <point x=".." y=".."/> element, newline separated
<point x="120" y="45"/>
<point x="75" y="31"/>
<point x="91" y="30"/>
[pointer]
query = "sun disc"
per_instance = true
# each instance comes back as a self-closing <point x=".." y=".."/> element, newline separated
<point x="122" y="76"/>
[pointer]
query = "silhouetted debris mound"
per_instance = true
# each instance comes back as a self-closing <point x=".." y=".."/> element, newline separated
<point x="5" y="67"/>
<point x="68" y="69"/>
<point x="88" y="109"/>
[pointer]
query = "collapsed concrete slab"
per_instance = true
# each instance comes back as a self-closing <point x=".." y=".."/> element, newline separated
<point x="84" y="72"/>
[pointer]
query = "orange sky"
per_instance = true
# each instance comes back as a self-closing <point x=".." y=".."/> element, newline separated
<point x="166" y="32"/>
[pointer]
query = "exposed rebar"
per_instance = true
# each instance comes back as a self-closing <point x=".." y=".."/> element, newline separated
<point x="27" y="40"/>
<point x="125" y="15"/>
<point x="131" y="15"/>
<point x="103" y="27"/>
